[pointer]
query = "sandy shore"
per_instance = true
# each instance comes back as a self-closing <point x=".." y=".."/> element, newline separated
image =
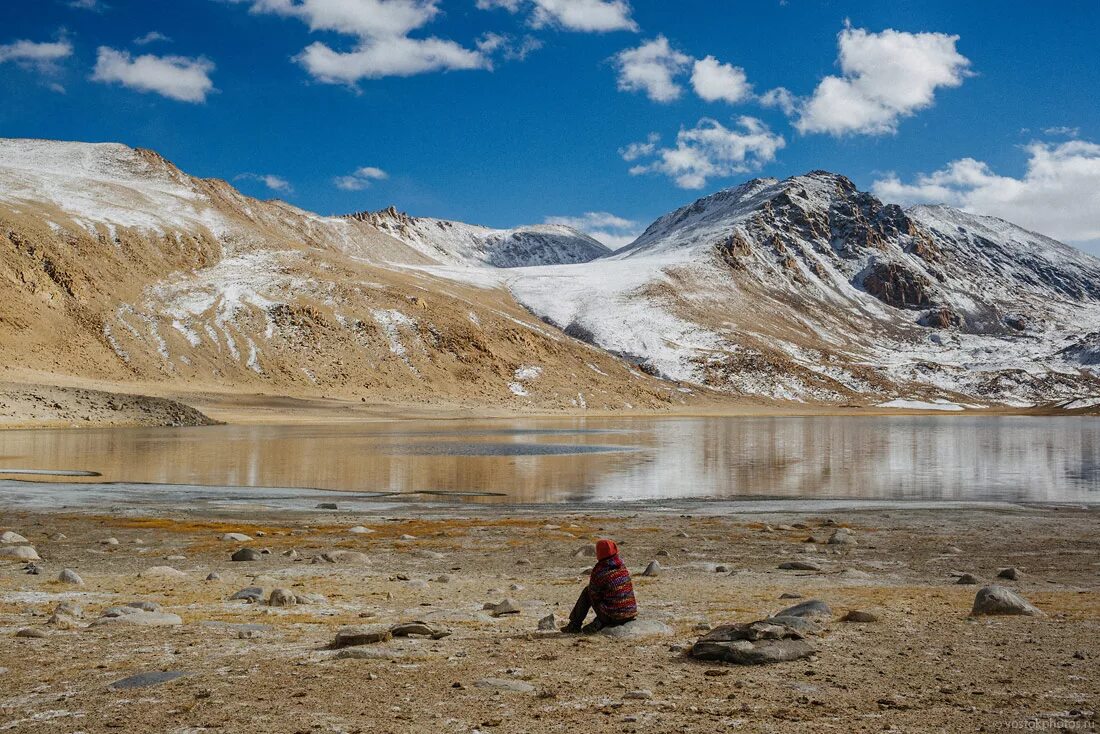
<point x="925" y="665"/>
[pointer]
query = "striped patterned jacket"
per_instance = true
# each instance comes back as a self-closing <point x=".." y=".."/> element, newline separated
<point x="611" y="591"/>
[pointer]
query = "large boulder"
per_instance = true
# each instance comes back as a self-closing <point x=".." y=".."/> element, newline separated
<point x="19" y="553"/>
<point x="755" y="643"/>
<point x="997" y="600"/>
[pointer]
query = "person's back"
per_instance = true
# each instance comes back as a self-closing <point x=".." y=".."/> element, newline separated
<point x="610" y="592"/>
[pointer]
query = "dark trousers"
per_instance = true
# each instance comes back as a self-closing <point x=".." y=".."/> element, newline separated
<point x="581" y="609"/>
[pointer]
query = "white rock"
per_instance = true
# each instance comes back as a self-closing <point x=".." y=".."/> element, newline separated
<point x="637" y="628"/>
<point x="19" y="553"/>
<point x="69" y="576"/>
<point x="109" y="541"/>
<point x="139" y="618"/>
<point x="237" y="537"/>
<point x="162" y="572"/>
<point x="360" y="530"/>
<point x="8" y="537"/>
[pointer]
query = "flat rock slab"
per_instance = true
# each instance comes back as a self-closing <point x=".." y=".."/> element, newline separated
<point x="344" y="556"/>
<point x="355" y="636"/>
<point x="997" y="600"/>
<point x="139" y="618"/>
<point x="143" y="680"/>
<point x="760" y="652"/>
<point x="504" y="684"/>
<point x="799" y="566"/>
<point x="419" y="629"/>
<point x="636" y="629"/>
<point x="809" y="608"/>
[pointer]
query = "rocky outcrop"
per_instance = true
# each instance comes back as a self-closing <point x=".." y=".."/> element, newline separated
<point x="896" y="285"/>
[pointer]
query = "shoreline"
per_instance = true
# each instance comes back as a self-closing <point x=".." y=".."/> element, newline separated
<point x="923" y="662"/>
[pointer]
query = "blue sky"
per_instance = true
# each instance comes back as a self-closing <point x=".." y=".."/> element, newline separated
<point x="503" y="112"/>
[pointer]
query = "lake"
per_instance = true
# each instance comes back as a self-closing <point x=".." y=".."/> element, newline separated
<point x="1017" y="459"/>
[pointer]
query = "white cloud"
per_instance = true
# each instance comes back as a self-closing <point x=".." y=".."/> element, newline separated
<point x="714" y="81"/>
<point x="1063" y="131"/>
<point x="593" y="16"/>
<point x="270" y="180"/>
<point x="634" y="151"/>
<point x="609" y="229"/>
<point x="780" y="98"/>
<point x="360" y="178"/>
<point x="652" y="68"/>
<point x="41" y="57"/>
<point x="710" y="150"/>
<point x="151" y="37"/>
<point x="176" y="77"/>
<point x="508" y="47"/>
<point x="389" y="56"/>
<point x="382" y="46"/>
<point x="886" y="76"/>
<point x="93" y="5"/>
<point x="1058" y="195"/>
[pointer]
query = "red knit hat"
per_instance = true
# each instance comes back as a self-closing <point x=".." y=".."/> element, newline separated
<point x="606" y="549"/>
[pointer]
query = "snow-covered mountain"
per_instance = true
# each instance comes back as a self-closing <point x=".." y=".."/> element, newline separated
<point x="808" y="289"/>
<point x="455" y="243"/>
<point x="117" y="266"/>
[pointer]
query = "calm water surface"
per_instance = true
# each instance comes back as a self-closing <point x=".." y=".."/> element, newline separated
<point x="577" y="460"/>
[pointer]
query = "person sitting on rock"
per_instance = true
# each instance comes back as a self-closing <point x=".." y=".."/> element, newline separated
<point x="610" y="594"/>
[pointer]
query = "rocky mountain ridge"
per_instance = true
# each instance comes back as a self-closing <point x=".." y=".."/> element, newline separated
<point x="116" y="265"/>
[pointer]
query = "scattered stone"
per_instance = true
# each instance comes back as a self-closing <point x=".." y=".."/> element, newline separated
<point x="69" y="608"/>
<point x="144" y="680"/>
<point x="69" y="576"/>
<point x="213" y="576"/>
<point x="953" y="550"/>
<point x="662" y="554"/>
<point x="789" y="595"/>
<point x="407" y="538"/>
<point x="682" y="534"/>
<point x="642" y="694"/>
<point x="138" y="618"/>
<point x="807" y="609"/>
<point x="19" y="553"/>
<point x="344" y="556"/>
<point x="10" y="537"/>
<point x="311" y="598"/>
<point x="967" y="579"/>
<point x="842" y="536"/>
<point x="31" y="569"/>
<point x="853" y="573"/>
<point x="653" y="569"/>
<point x="799" y="566"/>
<point x="549" y="623"/>
<point x="250" y="594"/>
<point x="327" y="506"/>
<point x="292" y="554"/>
<point x="246" y="554"/>
<point x="442" y="579"/>
<point x="427" y="554"/>
<point x="237" y="537"/>
<point x="162" y="572"/>
<point x="721" y="569"/>
<point x="755" y="643"/>
<point x="144" y="606"/>
<point x="356" y="636"/>
<point x="502" y="684"/>
<point x="858" y="615"/>
<point x="585" y="551"/>
<point x="31" y="632"/>
<point x="516" y="587"/>
<point x="175" y="558"/>
<point x="994" y="600"/>
<point x="637" y="628"/>
<point x="64" y="621"/>
<point x="360" y="530"/>
<point x="1012" y="573"/>
<point x="109" y="541"/>
<point x="282" y="598"/>
<point x="508" y="606"/>
<point x="419" y="629"/>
